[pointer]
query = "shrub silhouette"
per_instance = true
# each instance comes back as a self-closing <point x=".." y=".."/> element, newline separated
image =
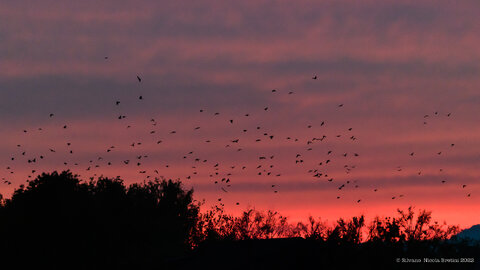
<point x="215" y="225"/>
<point x="406" y="228"/>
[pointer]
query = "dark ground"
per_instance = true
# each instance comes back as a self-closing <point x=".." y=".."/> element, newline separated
<point x="299" y="253"/>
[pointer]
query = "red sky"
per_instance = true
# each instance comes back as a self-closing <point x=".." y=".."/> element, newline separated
<point x="389" y="63"/>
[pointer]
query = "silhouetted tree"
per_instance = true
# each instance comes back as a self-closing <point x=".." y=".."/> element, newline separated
<point x="421" y="228"/>
<point x="215" y="225"/>
<point x="313" y="230"/>
<point x="347" y="231"/>
<point x="60" y="222"/>
<point x="261" y="225"/>
<point x="385" y="230"/>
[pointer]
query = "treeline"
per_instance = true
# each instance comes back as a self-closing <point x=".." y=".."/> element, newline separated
<point x="61" y="222"/>
<point x="254" y="224"/>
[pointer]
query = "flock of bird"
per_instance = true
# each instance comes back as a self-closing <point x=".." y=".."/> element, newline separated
<point x="221" y="173"/>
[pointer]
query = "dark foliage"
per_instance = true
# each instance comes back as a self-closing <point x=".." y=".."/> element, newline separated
<point x="265" y="240"/>
<point x="60" y="222"/>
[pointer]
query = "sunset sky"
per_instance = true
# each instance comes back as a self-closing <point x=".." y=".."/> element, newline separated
<point x="404" y="76"/>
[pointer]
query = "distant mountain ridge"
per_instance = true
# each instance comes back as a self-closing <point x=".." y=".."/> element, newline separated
<point x="473" y="233"/>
